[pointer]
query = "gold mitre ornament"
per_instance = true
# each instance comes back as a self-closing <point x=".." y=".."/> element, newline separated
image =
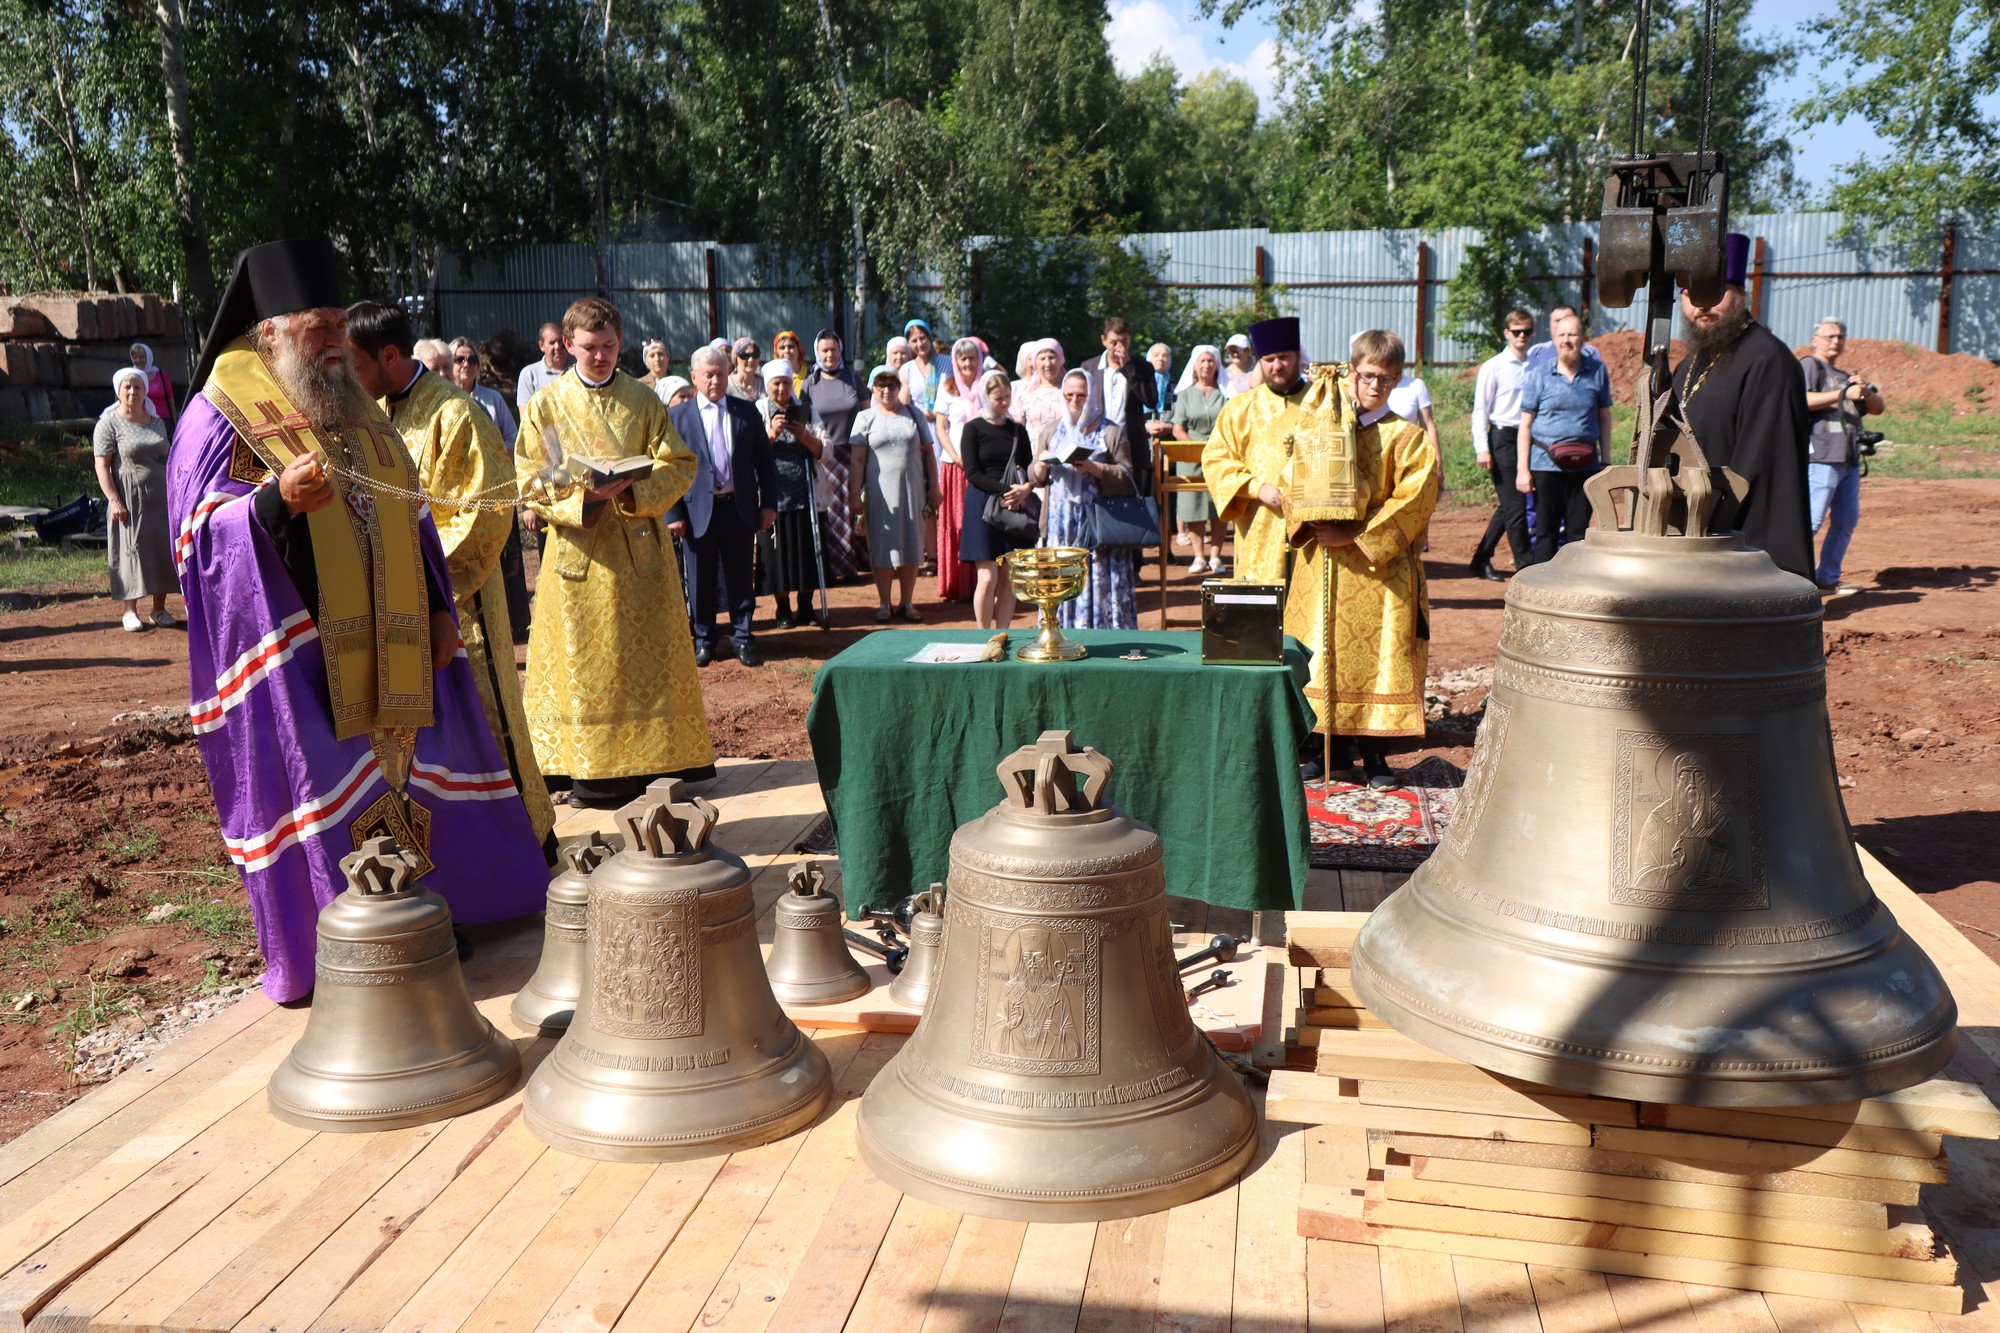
<point x="1326" y="482"/>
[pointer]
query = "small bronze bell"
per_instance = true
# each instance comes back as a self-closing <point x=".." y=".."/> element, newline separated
<point x="1650" y="889"/>
<point x="810" y="962"/>
<point x="913" y="985"/>
<point x="549" y="999"/>
<point x="678" y="1048"/>
<point x="393" y="1039"/>
<point x="1056" y="1075"/>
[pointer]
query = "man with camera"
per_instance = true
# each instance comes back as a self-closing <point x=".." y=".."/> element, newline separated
<point x="1839" y="402"/>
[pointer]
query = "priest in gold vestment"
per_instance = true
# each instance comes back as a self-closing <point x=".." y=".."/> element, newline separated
<point x="1358" y="599"/>
<point x="612" y="699"/>
<point x="1244" y="462"/>
<point x="459" y="454"/>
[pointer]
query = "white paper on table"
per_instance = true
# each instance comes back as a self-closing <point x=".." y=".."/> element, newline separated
<point x="947" y="652"/>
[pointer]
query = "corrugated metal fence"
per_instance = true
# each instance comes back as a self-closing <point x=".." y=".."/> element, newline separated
<point x="1337" y="282"/>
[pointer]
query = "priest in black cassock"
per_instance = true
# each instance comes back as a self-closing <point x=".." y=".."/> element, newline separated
<point x="1740" y="390"/>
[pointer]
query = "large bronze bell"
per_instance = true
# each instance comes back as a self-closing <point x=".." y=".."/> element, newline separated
<point x="1056" y="1075"/>
<point x="548" y="1001"/>
<point x="1650" y="889"/>
<point x="393" y="1039"/>
<point x="678" y="1048"/>
<point x="810" y="962"/>
<point x="914" y="984"/>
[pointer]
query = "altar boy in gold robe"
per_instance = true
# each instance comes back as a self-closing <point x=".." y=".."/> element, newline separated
<point x="1359" y="499"/>
<point x="613" y="700"/>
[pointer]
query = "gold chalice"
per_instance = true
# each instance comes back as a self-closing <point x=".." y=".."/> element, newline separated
<point x="1048" y="577"/>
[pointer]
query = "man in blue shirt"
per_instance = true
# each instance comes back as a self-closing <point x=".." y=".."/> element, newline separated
<point x="1566" y="417"/>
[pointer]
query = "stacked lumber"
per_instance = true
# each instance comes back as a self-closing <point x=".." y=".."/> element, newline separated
<point x="59" y="350"/>
<point x="1416" y="1150"/>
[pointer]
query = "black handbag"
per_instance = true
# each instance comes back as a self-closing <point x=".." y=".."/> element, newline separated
<point x="1023" y="524"/>
<point x="1122" y="521"/>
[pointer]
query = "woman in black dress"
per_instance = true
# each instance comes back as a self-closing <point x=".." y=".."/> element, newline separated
<point x="991" y="446"/>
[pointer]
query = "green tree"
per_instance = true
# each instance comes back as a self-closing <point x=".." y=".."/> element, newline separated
<point x="1928" y="69"/>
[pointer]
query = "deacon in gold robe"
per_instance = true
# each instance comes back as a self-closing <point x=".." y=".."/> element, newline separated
<point x="459" y="455"/>
<point x="1245" y="459"/>
<point x="612" y="699"/>
<point x="328" y="697"/>
<point x="1358" y="599"/>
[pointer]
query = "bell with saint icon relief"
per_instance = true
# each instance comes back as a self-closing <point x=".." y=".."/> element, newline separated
<point x="1650" y="890"/>
<point x="678" y="1048"/>
<point x="1056" y="1075"/>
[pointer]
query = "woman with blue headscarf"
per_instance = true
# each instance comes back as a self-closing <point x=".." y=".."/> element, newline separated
<point x="1099" y="464"/>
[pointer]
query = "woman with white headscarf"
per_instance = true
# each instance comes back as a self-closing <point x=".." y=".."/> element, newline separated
<point x="158" y="392"/>
<point x="130" y="450"/>
<point x="1198" y="400"/>
<point x="1038" y="404"/>
<point x="1101" y="465"/>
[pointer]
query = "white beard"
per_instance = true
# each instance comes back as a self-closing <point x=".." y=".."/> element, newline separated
<point x="330" y="397"/>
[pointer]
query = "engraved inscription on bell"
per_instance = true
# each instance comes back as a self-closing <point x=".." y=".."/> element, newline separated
<point x="645" y="953"/>
<point x="1039" y="993"/>
<point x="1479" y="775"/>
<point x="1689" y="832"/>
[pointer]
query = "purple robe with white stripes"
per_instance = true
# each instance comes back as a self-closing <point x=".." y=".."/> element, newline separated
<point x="287" y="793"/>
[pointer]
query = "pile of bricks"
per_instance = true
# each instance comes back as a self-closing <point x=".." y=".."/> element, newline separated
<point x="58" y="351"/>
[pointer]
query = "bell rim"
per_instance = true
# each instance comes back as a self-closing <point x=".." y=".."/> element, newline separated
<point x="564" y="1135"/>
<point x="503" y="1054"/>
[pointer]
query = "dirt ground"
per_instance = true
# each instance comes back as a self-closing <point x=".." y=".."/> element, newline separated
<point x="1905" y="373"/>
<point x="108" y="817"/>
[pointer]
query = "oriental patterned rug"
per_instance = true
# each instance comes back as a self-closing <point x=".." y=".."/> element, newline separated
<point x="1354" y="827"/>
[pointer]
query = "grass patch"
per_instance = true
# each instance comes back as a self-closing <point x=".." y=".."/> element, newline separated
<point x="108" y="1000"/>
<point x="129" y="844"/>
<point x="43" y="464"/>
<point x="216" y="919"/>
<point x="54" y="569"/>
<point x="65" y="917"/>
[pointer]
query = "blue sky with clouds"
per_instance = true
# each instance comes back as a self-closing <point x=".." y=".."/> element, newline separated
<point x="1175" y="28"/>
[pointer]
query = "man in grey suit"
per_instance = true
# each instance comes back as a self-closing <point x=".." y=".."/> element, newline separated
<point x="720" y="516"/>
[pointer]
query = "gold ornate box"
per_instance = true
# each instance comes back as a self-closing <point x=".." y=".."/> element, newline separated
<point x="1242" y="622"/>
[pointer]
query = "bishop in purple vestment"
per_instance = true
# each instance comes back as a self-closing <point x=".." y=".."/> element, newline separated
<point x="330" y="698"/>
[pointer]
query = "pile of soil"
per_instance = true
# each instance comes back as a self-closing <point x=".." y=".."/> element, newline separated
<point x="1908" y="375"/>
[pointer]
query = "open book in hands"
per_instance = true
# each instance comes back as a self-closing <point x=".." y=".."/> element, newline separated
<point x="1073" y="452"/>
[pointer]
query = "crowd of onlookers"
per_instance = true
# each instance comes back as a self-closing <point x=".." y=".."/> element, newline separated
<point x="939" y="459"/>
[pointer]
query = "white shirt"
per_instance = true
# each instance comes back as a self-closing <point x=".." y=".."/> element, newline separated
<point x="1114" y="389"/>
<point x="1496" y="395"/>
<point x="1408" y="398"/>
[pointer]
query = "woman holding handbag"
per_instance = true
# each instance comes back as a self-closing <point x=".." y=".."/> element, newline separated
<point x="1001" y="512"/>
<point x="1086" y="460"/>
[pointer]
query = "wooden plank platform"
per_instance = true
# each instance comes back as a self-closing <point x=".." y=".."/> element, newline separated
<point x="169" y="1199"/>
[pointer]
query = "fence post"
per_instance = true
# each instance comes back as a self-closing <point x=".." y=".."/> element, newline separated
<point x="1420" y="354"/>
<point x="1757" y="281"/>
<point x="1589" y="286"/>
<point x="1261" y="265"/>
<point x="714" y="298"/>
<point x="1945" y="268"/>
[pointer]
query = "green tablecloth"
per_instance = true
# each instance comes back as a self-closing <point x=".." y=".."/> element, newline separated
<point x="1205" y="754"/>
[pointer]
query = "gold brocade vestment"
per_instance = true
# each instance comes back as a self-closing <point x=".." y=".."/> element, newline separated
<point x="1246" y="451"/>
<point x="612" y="690"/>
<point x="1380" y="646"/>
<point x="459" y="453"/>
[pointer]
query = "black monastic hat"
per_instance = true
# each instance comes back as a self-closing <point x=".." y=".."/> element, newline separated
<point x="1272" y="336"/>
<point x="272" y="279"/>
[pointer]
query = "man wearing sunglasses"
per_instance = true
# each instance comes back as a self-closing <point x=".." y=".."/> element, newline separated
<point x="1496" y="426"/>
